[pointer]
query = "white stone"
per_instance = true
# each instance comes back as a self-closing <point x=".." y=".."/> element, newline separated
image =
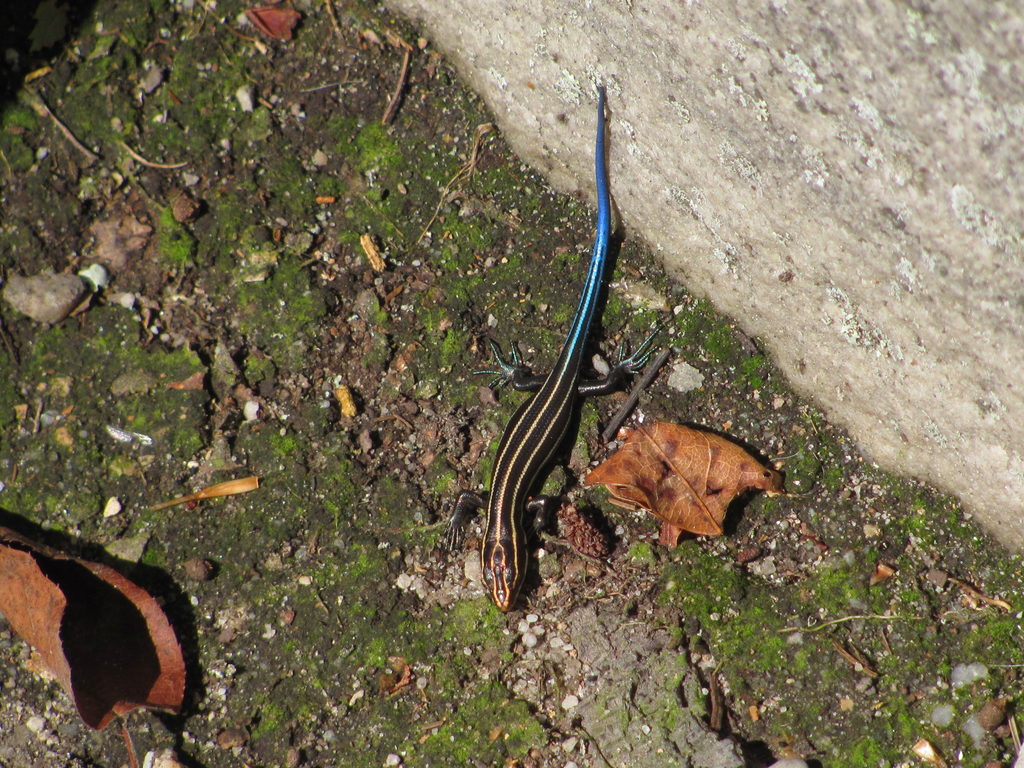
<point x="251" y="410"/>
<point x="683" y="377"/>
<point x="244" y="97"/>
<point x="941" y="715"/>
<point x="965" y="674"/>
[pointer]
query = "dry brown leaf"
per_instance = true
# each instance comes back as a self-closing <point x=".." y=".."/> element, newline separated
<point x="119" y="240"/>
<point x="400" y="677"/>
<point x="273" y="21"/>
<point x="882" y="572"/>
<point x="686" y="477"/>
<point x="192" y="383"/>
<point x="104" y="639"/>
<point x="372" y="252"/>
<point x="924" y="749"/>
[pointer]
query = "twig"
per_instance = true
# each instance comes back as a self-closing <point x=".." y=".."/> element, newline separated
<point x="973" y="592"/>
<point x="133" y="758"/>
<point x="338" y="84"/>
<point x="844" y="619"/>
<point x="403" y="77"/>
<point x="43" y="110"/>
<point x="466" y="170"/>
<point x="856" y="658"/>
<point x="634" y="395"/>
<point x="597" y="746"/>
<point x="150" y="163"/>
<point x="716" y="715"/>
<point x="334" y="17"/>
<point x="8" y="345"/>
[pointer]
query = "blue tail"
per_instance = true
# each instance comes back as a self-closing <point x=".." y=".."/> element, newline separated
<point x="577" y="337"/>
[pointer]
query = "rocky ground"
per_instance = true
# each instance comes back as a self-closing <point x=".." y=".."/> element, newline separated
<point x="300" y="273"/>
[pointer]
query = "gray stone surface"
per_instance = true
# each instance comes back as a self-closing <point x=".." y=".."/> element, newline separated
<point x="47" y="297"/>
<point x="843" y="179"/>
<point x="643" y="703"/>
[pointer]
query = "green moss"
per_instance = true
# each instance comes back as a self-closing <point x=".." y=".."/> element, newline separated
<point x="176" y="244"/>
<point x="751" y="372"/>
<point x="474" y="622"/>
<point x="259" y="368"/>
<point x="270" y="719"/>
<point x="15" y="121"/>
<point x="453" y="347"/>
<point x="865" y="753"/>
<point x="441" y="477"/>
<point x="488" y="727"/>
<point x="708" y="590"/>
<point x="289" y="185"/>
<point x="377" y="149"/>
<point x="19" y="156"/>
<point x="283" y="445"/>
<point x="19" y="116"/>
<point x="832" y="477"/>
<point x="641" y="553"/>
<point x="279" y="314"/>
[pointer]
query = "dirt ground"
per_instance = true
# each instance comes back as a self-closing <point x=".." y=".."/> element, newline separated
<point x="239" y="191"/>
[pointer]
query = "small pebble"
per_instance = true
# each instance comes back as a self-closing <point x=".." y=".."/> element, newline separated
<point x="366" y="441"/>
<point x="393" y="759"/>
<point x="942" y="715"/>
<point x="229" y="738"/>
<point x="96" y="275"/>
<point x="198" y="569"/>
<point x="471" y="567"/>
<point x="152" y="80"/>
<point x="403" y="581"/>
<point x="965" y="674"/>
<point x="683" y="377"/>
<point x="163" y="758"/>
<point x="529" y="639"/>
<point x="112" y="507"/>
<point x="251" y="410"/>
<point x="244" y="97"/>
<point x="45" y="298"/>
<point x="570" y="702"/>
<point x="992" y="714"/>
<point x="974" y="730"/>
<point x="36" y="724"/>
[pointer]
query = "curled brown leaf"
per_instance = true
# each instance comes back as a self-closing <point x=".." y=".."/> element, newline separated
<point x="105" y="639"/>
<point x="686" y="477"/>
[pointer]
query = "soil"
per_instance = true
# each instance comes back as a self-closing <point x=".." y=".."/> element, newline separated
<point x="300" y="291"/>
